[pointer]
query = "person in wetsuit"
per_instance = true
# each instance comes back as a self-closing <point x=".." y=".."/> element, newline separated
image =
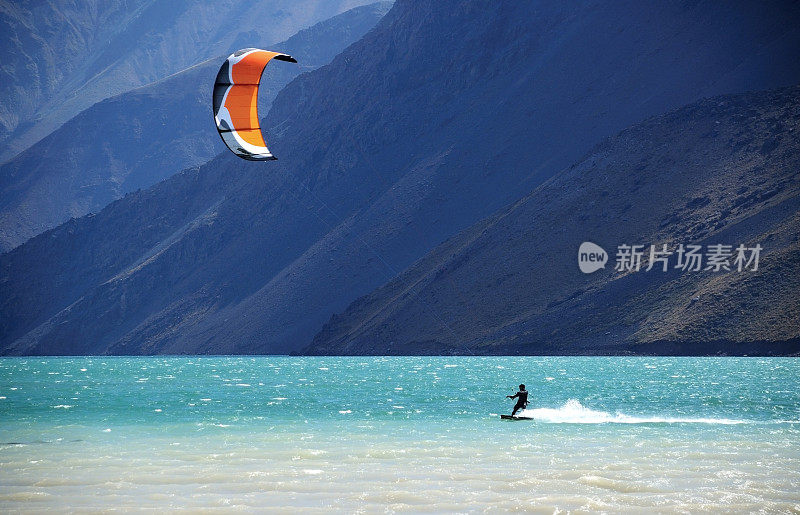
<point x="522" y="399"/>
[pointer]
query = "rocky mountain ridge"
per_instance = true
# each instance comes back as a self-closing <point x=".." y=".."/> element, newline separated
<point x="140" y="137"/>
<point x="721" y="171"/>
<point x="60" y="58"/>
<point x="444" y="113"/>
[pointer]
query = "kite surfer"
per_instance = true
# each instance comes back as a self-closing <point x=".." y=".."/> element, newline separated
<point x="522" y="399"/>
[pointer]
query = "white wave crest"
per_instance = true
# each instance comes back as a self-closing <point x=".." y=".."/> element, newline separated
<point x="573" y="412"/>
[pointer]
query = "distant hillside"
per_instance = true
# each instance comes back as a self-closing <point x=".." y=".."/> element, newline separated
<point x="444" y="113"/>
<point x="724" y="170"/>
<point x="61" y="57"/>
<point x="138" y="138"/>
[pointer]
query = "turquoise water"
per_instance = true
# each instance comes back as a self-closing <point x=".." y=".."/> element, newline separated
<point x="415" y="434"/>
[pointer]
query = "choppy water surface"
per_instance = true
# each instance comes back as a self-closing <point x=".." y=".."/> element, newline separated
<point x="405" y="434"/>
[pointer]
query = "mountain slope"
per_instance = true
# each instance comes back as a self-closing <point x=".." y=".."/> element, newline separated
<point x="443" y="114"/>
<point x="59" y="58"/>
<point x="724" y="170"/>
<point x="137" y="138"/>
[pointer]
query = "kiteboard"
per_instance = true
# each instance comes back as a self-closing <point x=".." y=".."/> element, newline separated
<point x="509" y="417"/>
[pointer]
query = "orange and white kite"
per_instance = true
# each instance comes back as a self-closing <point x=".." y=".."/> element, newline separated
<point x="236" y="102"/>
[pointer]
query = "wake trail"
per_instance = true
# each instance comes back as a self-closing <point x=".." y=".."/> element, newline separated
<point x="573" y="412"/>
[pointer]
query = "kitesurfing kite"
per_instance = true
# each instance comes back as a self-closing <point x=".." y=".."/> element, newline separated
<point x="236" y="102"/>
